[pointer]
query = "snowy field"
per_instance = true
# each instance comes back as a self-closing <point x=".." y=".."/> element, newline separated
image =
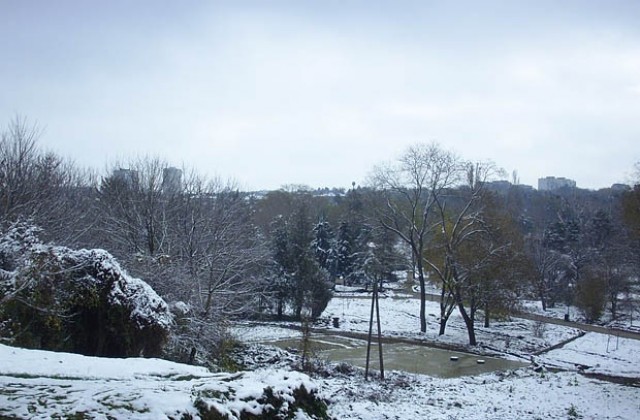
<point x="38" y="384"/>
<point x="598" y="353"/>
<point x="399" y="318"/>
<point x="44" y="385"/>
<point x="516" y="339"/>
<point x="627" y="319"/>
<point x="605" y="354"/>
<point x="521" y="394"/>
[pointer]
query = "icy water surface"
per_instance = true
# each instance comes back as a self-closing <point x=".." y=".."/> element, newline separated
<point x="400" y="356"/>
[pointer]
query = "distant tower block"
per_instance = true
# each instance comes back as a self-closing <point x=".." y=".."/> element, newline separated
<point x="128" y="176"/>
<point x="171" y="180"/>
<point x="552" y="183"/>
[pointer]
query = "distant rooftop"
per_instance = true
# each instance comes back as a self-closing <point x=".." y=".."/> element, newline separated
<point x="551" y="183"/>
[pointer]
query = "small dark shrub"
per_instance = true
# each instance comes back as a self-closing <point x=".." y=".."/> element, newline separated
<point x="591" y="297"/>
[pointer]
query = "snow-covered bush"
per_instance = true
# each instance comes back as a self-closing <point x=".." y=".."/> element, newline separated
<point x="268" y="394"/>
<point x="80" y="301"/>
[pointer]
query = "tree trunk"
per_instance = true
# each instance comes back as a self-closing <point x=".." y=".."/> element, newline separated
<point x="423" y="298"/>
<point x="444" y="317"/>
<point x="280" y="308"/>
<point x="443" y="326"/>
<point x="468" y="320"/>
<point x="487" y="315"/>
<point x="614" y="306"/>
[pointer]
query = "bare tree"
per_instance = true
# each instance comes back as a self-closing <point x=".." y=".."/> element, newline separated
<point x="462" y="226"/>
<point x="20" y="167"/>
<point x="212" y="238"/>
<point x="435" y="204"/>
<point x="42" y="187"/>
<point x="134" y="208"/>
<point x="195" y="237"/>
<point x="548" y="269"/>
<point x="412" y="187"/>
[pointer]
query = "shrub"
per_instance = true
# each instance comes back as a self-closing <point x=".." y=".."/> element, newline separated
<point x="249" y="395"/>
<point x="81" y="301"/>
<point x="590" y="296"/>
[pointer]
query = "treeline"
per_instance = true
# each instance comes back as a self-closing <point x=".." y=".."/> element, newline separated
<point x="215" y="252"/>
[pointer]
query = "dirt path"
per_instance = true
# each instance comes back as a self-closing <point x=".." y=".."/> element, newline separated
<point x="585" y="327"/>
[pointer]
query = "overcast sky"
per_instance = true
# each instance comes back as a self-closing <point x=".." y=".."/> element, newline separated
<point x="272" y="93"/>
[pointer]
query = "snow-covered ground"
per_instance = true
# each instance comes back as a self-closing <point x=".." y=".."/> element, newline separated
<point x="599" y="353"/>
<point x="37" y="384"/>
<point x="627" y="318"/>
<point x="515" y="338"/>
<point x="527" y="393"/>
<point x="558" y="311"/>
<point x="521" y="394"/>
<point x="44" y="385"/>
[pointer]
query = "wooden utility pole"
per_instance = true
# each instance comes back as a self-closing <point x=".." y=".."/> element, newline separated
<point x="374" y="306"/>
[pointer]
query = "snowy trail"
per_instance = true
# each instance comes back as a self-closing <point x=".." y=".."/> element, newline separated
<point x="586" y="327"/>
<point x="558" y="346"/>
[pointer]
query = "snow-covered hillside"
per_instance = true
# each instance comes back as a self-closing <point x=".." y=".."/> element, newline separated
<point x="38" y="384"/>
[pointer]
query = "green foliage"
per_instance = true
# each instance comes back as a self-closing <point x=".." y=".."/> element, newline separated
<point x="572" y="412"/>
<point x="222" y="355"/>
<point x="323" y="245"/>
<point x="631" y="210"/>
<point x="590" y="296"/>
<point x="81" y="302"/>
<point x="273" y="405"/>
<point x="299" y="280"/>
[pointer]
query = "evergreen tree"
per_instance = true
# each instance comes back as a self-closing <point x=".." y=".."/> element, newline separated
<point x="283" y="266"/>
<point x="300" y="281"/>
<point x="323" y="245"/>
<point x="345" y="252"/>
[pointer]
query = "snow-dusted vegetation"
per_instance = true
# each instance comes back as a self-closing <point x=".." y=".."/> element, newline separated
<point x="493" y="302"/>
<point x="82" y="301"/>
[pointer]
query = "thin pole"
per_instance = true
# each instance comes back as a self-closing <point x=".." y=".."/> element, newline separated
<point x="375" y="292"/>
<point x="366" y="369"/>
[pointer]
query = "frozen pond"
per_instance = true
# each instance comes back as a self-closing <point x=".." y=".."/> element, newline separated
<point x="400" y="356"/>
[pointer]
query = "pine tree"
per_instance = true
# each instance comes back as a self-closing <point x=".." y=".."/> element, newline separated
<point x="324" y="247"/>
<point x="345" y="257"/>
<point x="300" y="281"/>
<point x="281" y="280"/>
